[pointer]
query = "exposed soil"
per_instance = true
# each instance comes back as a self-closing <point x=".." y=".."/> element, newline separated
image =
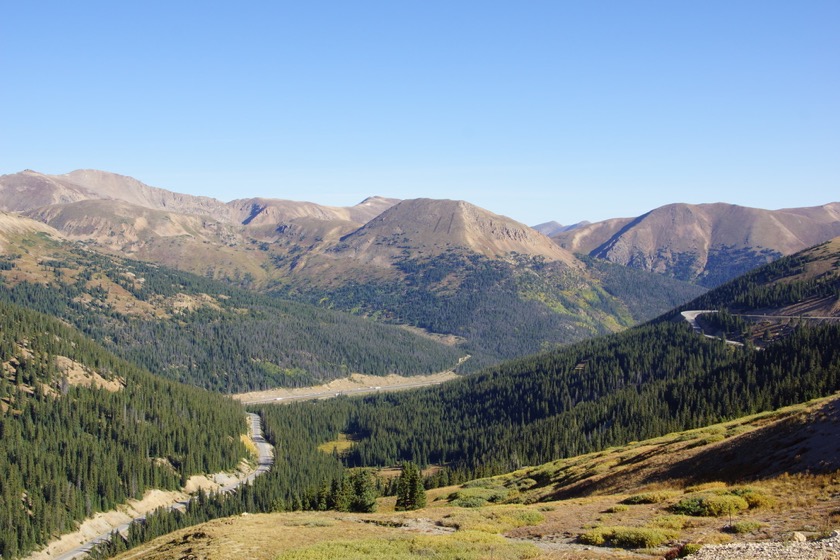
<point x="355" y="381"/>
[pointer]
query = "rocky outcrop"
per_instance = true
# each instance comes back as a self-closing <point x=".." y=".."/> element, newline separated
<point x="790" y="549"/>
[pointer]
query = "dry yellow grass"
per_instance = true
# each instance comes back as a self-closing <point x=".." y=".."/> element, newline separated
<point x="340" y="445"/>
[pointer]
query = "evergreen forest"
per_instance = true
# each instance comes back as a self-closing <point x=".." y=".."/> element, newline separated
<point x="226" y="339"/>
<point x="82" y="430"/>
<point x="504" y="309"/>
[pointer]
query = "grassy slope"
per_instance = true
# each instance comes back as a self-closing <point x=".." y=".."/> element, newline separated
<point x="552" y="504"/>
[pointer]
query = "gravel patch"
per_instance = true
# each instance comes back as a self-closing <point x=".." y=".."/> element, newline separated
<point x="824" y="549"/>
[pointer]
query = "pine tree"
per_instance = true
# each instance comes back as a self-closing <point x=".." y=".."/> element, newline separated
<point x="410" y="491"/>
<point x="364" y="492"/>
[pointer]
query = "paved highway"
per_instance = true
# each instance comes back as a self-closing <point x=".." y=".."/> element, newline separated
<point x="265" y="459"/>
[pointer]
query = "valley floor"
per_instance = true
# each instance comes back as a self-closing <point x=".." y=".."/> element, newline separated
<point x="355" y="384"/>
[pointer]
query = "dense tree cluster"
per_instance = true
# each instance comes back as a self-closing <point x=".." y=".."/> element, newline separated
<point x="243" y="341"/>
<point x="411" y="494"/>
<point x="505" y="309"/>
<point x="68" y="451"/>
<point x="650" y="380"/>
<point x="646" y="294"/>
<point x="777" y="284"/>
<point x="646" y="382"/>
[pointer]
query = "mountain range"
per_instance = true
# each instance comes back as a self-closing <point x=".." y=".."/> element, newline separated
<point x="88" y="307"/>
<point x="704" y="243"/>
<point x="447" y="267"/>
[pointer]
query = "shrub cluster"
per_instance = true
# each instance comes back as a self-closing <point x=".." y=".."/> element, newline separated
<point x="626" y="537"/>
<point x="650" y="497"/>
<point x="722" y="502"/>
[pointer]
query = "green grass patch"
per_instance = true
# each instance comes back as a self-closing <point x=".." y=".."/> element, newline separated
<point x="458" y="546"/>
<point x="340" y="445"/>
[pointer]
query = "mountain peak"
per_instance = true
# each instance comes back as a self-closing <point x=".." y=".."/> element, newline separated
<point x="436" y="225"/>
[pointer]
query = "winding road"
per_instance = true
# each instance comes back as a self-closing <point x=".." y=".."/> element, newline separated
<point x="691" y="317"/>
<point x="265" y="460"/>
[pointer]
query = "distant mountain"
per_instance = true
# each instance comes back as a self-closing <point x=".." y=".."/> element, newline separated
<point x="499" y="287"/>
<point x="706" y="243"/>
<point x="431" y="227"/>
<point x="29" y="189"/>
<point x="553" y="228"/>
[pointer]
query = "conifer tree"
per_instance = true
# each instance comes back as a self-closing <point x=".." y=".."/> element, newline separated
<point x="364" y="492"/>
<point x="410" y="491"/>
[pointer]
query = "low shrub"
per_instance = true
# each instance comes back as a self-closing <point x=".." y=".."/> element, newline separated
<point x="742" y="527"/>
<point x="689" y="548"/>
<point x="755" y="498"/>
<point x="710" y="505"/>
<point x="477" y="495"/>
<point x="650" y="497"/>
<point x="618" y="508"/>
<point x="497" y="519"/>
<point x="469" y="502"/>
<point x="706" y="486"/>
<point x="626" y="537"/>
<point x="595" y="537"/>
<point x="683" y="551"/>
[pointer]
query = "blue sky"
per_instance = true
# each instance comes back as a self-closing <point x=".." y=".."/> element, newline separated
<point x="539" y="110"/>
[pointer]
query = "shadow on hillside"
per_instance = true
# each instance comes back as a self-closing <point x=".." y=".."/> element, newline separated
<point x="807" y="441"/>
<point x="798" y="444"/>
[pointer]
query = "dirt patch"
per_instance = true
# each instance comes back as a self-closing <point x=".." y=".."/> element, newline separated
<point x="356" y="381"/>
<point x="77" y="374"/>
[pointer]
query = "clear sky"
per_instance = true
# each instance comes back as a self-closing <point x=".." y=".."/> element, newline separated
<point x="539" y="110"/>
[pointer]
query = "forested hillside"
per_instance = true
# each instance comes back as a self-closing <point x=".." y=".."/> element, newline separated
<point x="82" y="430"/>
<point x="649" y="380"/>
<point x="208" y="333"/>
<point x="810" y="276"/>
<point x="653" y="379"/>
<point x="504" y="309"/>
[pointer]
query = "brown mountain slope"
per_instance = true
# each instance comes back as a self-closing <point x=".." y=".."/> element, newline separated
<point x="262" y="211"/>
<point x="29" y="190"/>
<point x="430" y="227"/>
<point x="194" y="243"/>
<point x="706" y="243"/>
